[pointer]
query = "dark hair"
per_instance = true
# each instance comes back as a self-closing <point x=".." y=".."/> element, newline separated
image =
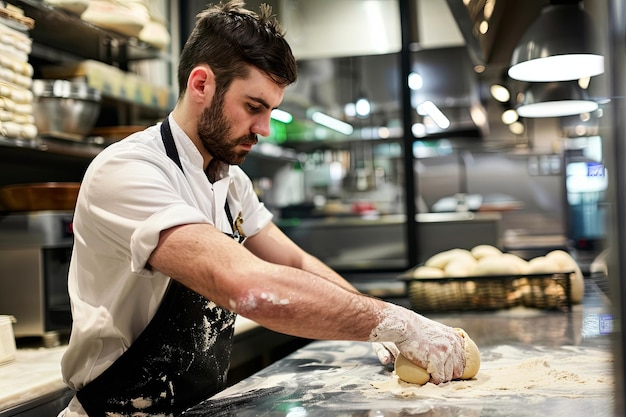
<point x="227" y="37"/>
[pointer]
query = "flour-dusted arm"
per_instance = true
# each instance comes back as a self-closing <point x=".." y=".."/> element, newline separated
<point x="293" y="301"/>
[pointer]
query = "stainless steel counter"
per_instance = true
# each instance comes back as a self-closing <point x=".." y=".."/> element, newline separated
<point x="533" y="363"/>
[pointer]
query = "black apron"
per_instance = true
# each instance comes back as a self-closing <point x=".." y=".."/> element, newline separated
<point x="180" y="359"/>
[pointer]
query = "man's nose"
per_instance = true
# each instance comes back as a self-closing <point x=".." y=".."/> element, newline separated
<point x="261" y="126"/>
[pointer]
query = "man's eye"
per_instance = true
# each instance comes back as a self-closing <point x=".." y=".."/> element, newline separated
<point x="253" y="109"/>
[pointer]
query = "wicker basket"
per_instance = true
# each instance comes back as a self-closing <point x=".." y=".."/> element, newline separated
<point x="482" y="293"/>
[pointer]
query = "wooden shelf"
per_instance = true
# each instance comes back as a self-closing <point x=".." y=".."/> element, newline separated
<point x="78" y="38"/>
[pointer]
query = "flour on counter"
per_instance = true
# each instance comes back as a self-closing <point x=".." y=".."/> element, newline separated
<point x="572" y="372"/>
<point x="35" y="373"/>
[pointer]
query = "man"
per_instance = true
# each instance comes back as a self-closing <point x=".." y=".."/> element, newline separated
<point x="171" y="243"/>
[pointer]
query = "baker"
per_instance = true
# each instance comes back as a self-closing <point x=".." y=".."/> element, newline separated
<point x="171" y="243"/>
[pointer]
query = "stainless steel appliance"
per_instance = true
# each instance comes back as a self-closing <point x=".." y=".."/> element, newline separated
<point x="35" y="251"/>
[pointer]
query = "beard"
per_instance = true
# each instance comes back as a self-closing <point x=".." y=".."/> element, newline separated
<point x="214" y="133"/>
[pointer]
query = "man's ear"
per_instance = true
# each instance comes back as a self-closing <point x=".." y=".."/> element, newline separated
<point x="201" y="84"/>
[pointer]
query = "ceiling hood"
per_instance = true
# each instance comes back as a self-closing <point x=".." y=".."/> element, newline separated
<point x="503" y="24"/>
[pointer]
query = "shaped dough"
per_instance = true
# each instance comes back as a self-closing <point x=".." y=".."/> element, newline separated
<point x="567" y="263"/>
<point x="496" y="265"/>
<point x="441" y="259"/>
<point x="460" y="267"/>
<point x="480" y="251"/>
<point x="410" y="372"/>
<point x="542" y="265"/>
<point x="427" y="272"/>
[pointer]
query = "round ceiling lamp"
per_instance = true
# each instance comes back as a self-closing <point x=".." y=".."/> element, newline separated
<point x="559" y="45"/>
<point x="555" y="99"/>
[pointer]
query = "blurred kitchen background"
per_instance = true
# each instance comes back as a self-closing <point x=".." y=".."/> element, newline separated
<point x="398" y="114"/>
<point x="400" y="139"/>
<point x="404" y="135"/>
<point x="355" y="151"/>
<point x="362" y="151"/>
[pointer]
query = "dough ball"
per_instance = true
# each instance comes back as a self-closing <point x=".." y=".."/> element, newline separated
<point x="427" y="272"/>
<point x="496" y="265"/>
<point x="563" y="260"/>
<point x="480" y="251"/>
<point x="542" y="265"/>
<point x="410" y="372"/>
<point x="522" y="264"/>
<point x="460" y="266"/>
<point x="472" y="356"/>
<point x="566" y="264"/>
<point x="577" y="287"/>
<point x="441" y="259"/>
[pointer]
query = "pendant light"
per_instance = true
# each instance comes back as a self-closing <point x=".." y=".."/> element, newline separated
<point x="554" y="99"/>
<point x="558" y="46"/>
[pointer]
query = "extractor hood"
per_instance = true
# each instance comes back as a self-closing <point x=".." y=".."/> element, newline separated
<point x="491" y="29"/>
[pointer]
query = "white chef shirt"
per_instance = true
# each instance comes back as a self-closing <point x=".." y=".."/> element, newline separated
<point x="130" y="193"/>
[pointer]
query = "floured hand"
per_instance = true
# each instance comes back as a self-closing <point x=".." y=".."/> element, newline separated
<point x="437" y="348"/>
<point x="387" y="352"/>
<point x="410" y="372"/>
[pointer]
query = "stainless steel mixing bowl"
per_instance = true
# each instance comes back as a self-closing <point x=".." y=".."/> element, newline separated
<point x="65" y="109"/>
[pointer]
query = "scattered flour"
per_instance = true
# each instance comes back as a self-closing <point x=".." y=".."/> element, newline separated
<point x="567" y="374"/>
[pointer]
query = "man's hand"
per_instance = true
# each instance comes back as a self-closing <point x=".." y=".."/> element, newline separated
<point x="387" y="352"/>
<point x="437" y="348"/>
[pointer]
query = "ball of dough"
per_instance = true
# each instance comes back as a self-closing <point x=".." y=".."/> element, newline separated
<point x="460" y="266"/>
<point x="566" y="264"/>
<point x="522" y="264"/>
<point x="577" y="287"/>
<point x="480" y="251"/>
<point x="427" y="272"/>
<point x="472" y="356"/>
<point x="542" y="265"/>
<point x="563" y="260"/>
<point x="441" y="259"/>
<point x="496" y="265"/>
<point x="410" y="372"/>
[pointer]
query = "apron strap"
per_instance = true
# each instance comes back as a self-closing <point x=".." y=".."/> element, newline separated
<point x="168" y="142"/>
<point x="172" y="152"/>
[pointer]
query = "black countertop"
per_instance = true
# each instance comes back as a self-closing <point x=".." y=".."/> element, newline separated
<point x="534" y="363"/>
